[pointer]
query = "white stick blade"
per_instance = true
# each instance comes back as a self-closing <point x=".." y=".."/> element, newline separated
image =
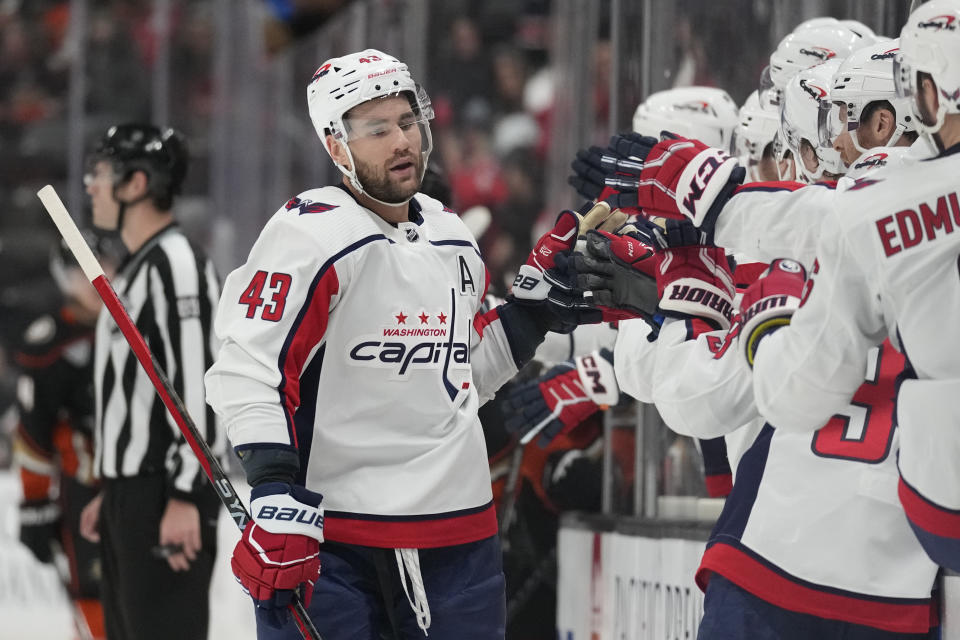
<point x="71" y="234"/>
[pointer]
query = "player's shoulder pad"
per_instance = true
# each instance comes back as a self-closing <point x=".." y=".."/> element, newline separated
<point x="879" y="158"/>
<point x="327" y="216"/>
<point x="444" y="221"/>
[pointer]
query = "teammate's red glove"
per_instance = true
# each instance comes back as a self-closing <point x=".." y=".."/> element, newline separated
<point x="620" y="272"/>
<point x="547" y="279"/>
<point x="279" y="550"/>
<point x="769" y="303"/>
<point x="562" y="398"/>
<point x="540" y="273"/>
<point x="694" y="279"/>
<point x="684" y="178"/>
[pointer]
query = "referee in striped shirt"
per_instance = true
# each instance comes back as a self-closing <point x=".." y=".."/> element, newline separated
<point x="156" y="516"/>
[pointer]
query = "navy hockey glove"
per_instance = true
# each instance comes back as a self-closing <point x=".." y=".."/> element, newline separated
<point x="769" y="303"/>
<point x="39" y="526"/>
<point x="562" y="398"/>
<point x="279" y="550"/>
<point x="612" y="174"/>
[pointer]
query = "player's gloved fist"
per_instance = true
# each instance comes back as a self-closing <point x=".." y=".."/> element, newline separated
<point x="694" y="279"/>
<point x="619" y="271"/>
<point x="769" y="303"/>
<point x="606" y="175"/>
<point x="39" y="523"/>
<point x="546" y="275"/>
<point x="612" y="174"/>
<point x="562" y="398"/>
<point x="589" y="176"/>
<point x="541" y="271"/>
<point x="684" y="178"/>
<point x="279" y="550"/>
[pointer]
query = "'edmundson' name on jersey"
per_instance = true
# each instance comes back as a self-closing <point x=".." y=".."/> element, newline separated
<point x="909" y="227"/>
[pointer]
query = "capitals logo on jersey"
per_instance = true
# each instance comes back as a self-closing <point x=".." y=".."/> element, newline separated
<point x="302" y="206"/>
<point x="874" y="160"/>
<point x="417" y="339"/>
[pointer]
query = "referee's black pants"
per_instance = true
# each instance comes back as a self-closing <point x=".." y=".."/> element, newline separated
<point x="142" y="597"/>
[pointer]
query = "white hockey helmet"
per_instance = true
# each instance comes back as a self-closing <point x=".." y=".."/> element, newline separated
<point x="341" y="84"/>
<point x="865" y="77"/>
<point x="804" y="48"/>
<point x="814" y="23"/>
<point x="799" y="117"/>
<point x="706" y="114"/>
<point x="859" y="28"/>
<point x="757" y="128"/>
<point x="930" y="43"/>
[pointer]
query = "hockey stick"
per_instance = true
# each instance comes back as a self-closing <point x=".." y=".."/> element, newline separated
<point x="94" y="273"/>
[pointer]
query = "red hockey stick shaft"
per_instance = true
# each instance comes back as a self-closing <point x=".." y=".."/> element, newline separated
<point x="94" y="273"/>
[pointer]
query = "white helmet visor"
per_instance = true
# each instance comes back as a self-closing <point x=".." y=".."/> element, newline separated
<point x="903" y="77"/>
<point x="832" y="121"/>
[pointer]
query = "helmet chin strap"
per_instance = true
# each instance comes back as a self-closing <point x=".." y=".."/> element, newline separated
<point x="123" y="207"/>
<point x="783" y="174"/>
<point x="892" y="140"/>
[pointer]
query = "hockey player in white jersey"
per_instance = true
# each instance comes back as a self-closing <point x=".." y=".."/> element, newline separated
<point x="354" y="360"/>
<point x="564" y="396"/>
<point x="890" y="270"/>
<point x="790" y="560"/>
<point x="812" y="42"/>
<point x="754" y="137"/>
<point x="864" y="113"/>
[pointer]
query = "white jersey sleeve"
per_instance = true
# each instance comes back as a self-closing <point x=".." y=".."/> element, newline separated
<point x="804" y="375"/>
<point x="292" y="272"/>
<point x="701" y="386"/>
<point x="633" y="360"/>
<point x="769" y="220"/>
<point x="490" y="355"/>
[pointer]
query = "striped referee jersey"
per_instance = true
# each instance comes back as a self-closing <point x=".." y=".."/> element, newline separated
<point x="170" y="290"/>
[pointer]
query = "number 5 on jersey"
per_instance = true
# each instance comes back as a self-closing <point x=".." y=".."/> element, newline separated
<point x="252" y="296"/>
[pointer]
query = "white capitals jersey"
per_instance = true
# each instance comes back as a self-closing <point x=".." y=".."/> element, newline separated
<point x="812" y="523"/>
<point x="769" y="220"/>
<point x="889" y="269"/>
<point x="359" y="344"/>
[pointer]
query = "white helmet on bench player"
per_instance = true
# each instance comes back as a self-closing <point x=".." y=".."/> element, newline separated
<point x="804" y="48"/>
<point x="757" y="128"/>
<point x="799" y="118"/>
<point x="341" y="84"/>
<point x="863" y="78"/>
<point x="930" y="43"/>
<point x="706" y="114"/>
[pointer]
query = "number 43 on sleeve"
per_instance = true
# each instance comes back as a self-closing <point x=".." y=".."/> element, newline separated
<point x="252" y="296"/>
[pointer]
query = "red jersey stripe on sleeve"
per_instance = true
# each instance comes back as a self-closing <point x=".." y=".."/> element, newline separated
<point x="481" y="320"/>
<point x="307" y="332"/>
<point x="926" y="515"/>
